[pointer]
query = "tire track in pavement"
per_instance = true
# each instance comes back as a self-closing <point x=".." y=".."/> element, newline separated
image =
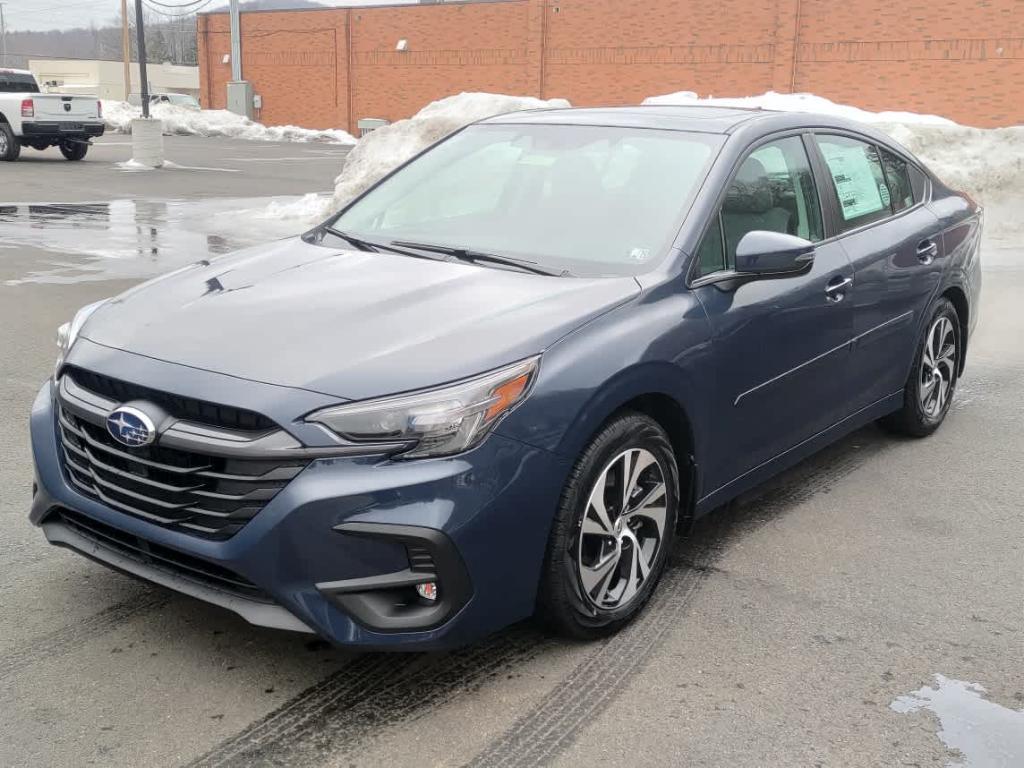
<point x="374" y="691"/>
<point x="558" y="719"/>
<point x="72" y="636"/>
<point x="342" y="713"/>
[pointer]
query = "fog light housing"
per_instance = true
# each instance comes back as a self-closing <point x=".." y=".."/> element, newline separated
<point x="427" y="590"/>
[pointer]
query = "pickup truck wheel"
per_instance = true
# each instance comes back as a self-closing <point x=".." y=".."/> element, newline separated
<point x="10" y="149"/>
<point x="73" y="150"/>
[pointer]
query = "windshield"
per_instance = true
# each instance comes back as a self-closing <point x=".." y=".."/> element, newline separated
<point x="182" y="100"/>
<point x="592" y="200"/>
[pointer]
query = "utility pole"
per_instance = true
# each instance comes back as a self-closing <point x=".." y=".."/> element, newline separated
<point x="3" y="37"/>
<point x="126" y="49"/>
<point x="239" y="91"/>
<point x="141" y="32"/>
<point x="236" y="43"/>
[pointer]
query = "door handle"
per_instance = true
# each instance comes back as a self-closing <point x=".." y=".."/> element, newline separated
<point x="927" y="250"/>
<point x="836" y="289"/>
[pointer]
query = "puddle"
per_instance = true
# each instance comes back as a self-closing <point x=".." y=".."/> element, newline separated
<point x="982" y="733"/>
<point x="133" y="238"/>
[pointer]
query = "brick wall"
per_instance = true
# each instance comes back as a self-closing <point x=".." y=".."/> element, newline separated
<point x="327" y="68"/>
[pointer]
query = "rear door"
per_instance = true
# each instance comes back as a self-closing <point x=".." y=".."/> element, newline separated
<point x="781" y="345"/>
<point x="893" y="242"/>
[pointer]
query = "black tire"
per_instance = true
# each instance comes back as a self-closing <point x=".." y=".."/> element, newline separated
<point x="42" y="146"/>
<point x="73" y="150"/>
<point x="10" y="148"/>
<point x="914" y="418"/>
<point x="561" y="601"/>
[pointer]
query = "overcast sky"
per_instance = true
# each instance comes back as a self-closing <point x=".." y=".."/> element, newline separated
<point x="53" y="14"/>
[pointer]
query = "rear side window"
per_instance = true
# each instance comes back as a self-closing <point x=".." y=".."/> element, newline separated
<point x="918" y="182"/>
<point x="858" y="180"/>
<point x="897" y="179"/>
<point x="15" y="82"/>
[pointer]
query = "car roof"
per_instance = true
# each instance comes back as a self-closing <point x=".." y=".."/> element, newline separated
<point x="12" y="71"/>
<point x="703" y="119"/>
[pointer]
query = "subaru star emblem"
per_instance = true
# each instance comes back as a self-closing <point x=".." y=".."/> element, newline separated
<point x="131" y="427"/>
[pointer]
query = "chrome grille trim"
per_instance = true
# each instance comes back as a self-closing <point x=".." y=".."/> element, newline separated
<point x="212" y="492"/>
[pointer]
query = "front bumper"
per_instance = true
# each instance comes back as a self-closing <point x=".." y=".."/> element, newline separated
<point x="342" y="529"/>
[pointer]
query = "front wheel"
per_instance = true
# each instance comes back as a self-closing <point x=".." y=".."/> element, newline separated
<point x="933" y="376"/>
<point x="613" y="530"/>
<point x="73" y="150"/>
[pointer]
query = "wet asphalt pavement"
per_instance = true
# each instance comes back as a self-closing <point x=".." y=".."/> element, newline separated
<point x="786" y="627"/>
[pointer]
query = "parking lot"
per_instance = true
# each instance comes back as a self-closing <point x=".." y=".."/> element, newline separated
<point x="787" y="625"/>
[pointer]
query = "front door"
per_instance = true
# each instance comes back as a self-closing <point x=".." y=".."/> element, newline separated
<point x="781" y="344"/>
<point x="894" y="244"/>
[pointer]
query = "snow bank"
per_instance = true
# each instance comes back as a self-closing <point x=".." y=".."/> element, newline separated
<point x="216" y="122"/>
<point x="986" y="163"/>
<point x="799" y="102"/>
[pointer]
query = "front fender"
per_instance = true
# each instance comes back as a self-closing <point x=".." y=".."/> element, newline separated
<point x="657" y="345"/>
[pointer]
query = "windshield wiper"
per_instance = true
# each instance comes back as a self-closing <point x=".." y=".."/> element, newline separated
<point x="466" y="254"/>
<point x="370" y="245"/>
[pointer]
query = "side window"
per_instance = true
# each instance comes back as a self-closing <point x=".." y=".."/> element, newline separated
<point x="858" y="180"/>
<point x="773" y="190"/>
<point x="897" y="179"/>
<point x="918" y="182"/>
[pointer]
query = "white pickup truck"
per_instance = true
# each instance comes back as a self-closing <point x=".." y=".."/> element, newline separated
<point x="29" y="118"/>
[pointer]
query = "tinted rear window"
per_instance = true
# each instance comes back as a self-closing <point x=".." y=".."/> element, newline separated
<point x="11" y="82"/>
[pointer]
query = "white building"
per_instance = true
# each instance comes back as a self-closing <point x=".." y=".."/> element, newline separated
<point x="106" y="78"/>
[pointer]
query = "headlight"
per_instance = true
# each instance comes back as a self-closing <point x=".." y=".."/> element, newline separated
<point x="68" y="332"/>
<point x="435" y="422"/>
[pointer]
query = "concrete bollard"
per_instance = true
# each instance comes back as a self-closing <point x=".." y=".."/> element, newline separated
<point x="147" y="142"/>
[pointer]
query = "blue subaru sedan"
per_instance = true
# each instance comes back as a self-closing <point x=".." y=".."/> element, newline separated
<point x="504" y="379"/>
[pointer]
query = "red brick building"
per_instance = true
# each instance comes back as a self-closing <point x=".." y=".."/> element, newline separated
<point x="330" y="67"/>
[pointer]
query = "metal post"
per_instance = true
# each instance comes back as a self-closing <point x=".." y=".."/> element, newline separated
<point x="236" y="42"/>
<point x="3" y="37"/>
<point x="126" y="50"/>
<point x="140" y="31"/>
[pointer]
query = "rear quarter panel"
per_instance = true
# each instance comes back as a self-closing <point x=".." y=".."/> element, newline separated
<point x="960" y="219"/>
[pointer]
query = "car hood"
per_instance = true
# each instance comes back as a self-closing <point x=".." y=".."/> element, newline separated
<point x="351" y="324"/>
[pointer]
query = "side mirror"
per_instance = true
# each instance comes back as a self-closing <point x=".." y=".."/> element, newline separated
<point x="773" y="253"/>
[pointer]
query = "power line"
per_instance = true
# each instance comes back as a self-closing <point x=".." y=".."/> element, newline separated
<point x="178" y="15"/>
<point x="178" y="6"/>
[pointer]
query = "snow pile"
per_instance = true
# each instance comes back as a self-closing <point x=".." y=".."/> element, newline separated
<point x="798" y="102"/>
<point x="216" y="122"/>
<point x="986" y="163"/>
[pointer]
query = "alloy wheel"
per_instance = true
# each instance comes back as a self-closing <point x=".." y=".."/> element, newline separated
<point x="3" y="143"/>
<point x="623" y="528"/>
<point x="938" y="367"/>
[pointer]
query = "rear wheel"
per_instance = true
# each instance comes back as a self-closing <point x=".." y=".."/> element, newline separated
<point x="73" y="150"/>
<point x="613" y="531"/>
<point x="933" y="377"/>
<point x="10" y="149"/>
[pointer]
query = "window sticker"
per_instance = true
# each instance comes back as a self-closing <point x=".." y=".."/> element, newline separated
<point x="855" y="180"/>
<point x="883" y="192"/>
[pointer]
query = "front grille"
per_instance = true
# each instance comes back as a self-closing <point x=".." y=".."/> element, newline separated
<point x="208" y="496"/>
<point x="158" y="556"/>
<point x="185" y="408"/>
